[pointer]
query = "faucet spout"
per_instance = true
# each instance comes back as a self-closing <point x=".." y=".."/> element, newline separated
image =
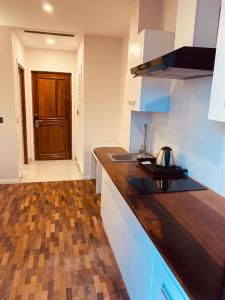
<point x="143" y="148"/>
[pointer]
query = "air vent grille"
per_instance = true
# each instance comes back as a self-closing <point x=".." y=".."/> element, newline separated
<point x="50" y="33"/>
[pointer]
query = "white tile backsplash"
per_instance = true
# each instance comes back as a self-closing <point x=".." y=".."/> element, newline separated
<point x="198" y="143"/>
<point x="222" y="181"/>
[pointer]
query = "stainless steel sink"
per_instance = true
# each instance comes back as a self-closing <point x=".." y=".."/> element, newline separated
<point x="124" y="157"/>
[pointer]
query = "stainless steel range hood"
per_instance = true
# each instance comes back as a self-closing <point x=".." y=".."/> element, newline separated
<point x="183" y="63"/>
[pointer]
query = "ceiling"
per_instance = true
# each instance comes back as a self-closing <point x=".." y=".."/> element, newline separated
<point x="98" y="17"/>
<point x="31" y="40"/>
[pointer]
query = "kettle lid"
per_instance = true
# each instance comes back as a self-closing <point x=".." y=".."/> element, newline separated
<point x="166" y="148"/>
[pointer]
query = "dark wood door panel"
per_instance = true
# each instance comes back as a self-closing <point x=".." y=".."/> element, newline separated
<point x="62" y="108"/>
<point x="46" y="106"/>
<point x="52" y="115"/>
<point x="55" y="134"/>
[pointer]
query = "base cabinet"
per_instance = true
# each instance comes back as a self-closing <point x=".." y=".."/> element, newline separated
<point x="164" y="287"/>
<point x="130" y="244"/>
<point x="112" y="222"/>
<point x="144" y="272"/>
<point x="136" y="256"/>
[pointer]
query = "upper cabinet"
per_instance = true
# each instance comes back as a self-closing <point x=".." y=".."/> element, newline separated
<point x="148" y="94"/>
<point x="217" y="102"/>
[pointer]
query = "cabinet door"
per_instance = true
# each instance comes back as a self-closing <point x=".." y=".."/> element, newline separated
<point x="131" y="246"/>
<point x="111" y="216"/>
<point x="164" y="287"/>
<point x="217" y="102"/>
<point x="137" y="253"/>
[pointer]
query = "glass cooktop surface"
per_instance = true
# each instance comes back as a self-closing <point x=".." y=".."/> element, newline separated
<point x="148" y="185"/>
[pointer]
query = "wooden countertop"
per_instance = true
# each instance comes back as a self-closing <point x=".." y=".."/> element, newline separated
<point x="187" y="228"/>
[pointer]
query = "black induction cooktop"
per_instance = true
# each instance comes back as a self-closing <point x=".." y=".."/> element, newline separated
<point x="149" y="185"/>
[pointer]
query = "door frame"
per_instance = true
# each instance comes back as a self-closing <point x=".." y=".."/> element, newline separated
<point x="71" y="127"/>
<point x="21" y="70"/>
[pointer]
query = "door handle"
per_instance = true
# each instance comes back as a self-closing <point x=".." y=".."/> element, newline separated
<point x="165" y="292"/>
<point x="36" y="120"/>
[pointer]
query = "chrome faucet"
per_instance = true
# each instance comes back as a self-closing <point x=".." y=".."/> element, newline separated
<point x="143" y="148"/>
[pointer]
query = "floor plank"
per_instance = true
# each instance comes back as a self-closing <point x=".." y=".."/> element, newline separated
<point x="53" y="246"/>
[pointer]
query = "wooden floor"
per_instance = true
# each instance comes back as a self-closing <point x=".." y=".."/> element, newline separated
<point x="52" y="244"/>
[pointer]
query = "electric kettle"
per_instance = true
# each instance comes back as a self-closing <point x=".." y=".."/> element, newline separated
<point x="165" y="157"/>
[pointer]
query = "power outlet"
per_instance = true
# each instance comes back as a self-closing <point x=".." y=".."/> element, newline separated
<point x="1" y="119"/>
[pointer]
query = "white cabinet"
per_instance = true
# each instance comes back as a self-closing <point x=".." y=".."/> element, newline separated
<point x="144" y="272"/>
<point x="96" y="171"/>
<point x="164" y="286"/>
<point x="130" y="244"/>
<point x="143" y="93"/>
<point x="137" y="254"/>
<point x="111" y="217"/>
<point x="217" y="103"/>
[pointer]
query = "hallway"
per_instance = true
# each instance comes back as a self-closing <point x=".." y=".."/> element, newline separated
<point x="51" y="170"/>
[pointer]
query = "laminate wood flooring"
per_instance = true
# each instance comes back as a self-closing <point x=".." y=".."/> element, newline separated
<point x="53" y="246"/>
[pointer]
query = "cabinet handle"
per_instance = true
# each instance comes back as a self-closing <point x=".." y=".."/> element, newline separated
<point x="165" y="292"/>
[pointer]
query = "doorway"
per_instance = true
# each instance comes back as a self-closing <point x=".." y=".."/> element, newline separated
<point x="52" y="115"/>
<point x="23" y="112"/>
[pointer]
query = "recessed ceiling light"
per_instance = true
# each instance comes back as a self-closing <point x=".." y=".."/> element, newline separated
<point x="48" y="7"/>
<point x="50" y="41"/>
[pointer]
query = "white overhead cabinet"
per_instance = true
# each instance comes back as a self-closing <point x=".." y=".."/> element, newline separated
<point x="217" y="102"/>
<point x="143" y="93"/>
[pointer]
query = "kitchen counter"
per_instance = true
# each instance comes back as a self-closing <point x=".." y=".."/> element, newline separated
<point x="187" y="228"/>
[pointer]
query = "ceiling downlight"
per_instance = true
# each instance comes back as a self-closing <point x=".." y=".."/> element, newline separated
<point x="48" y="8"/>
<point x="50" y="41"/>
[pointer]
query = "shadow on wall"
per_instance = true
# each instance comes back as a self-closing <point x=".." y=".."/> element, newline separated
<point x="138" y="119"/>
<point x="198" y="143"/>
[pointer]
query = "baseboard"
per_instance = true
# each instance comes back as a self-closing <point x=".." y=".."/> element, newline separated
<point x="86" y="177"/>
<point x="9" y="181"/>
<point x="20" y="175"/>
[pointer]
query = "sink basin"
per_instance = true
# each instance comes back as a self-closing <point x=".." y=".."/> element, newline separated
<point x="124" y="157"/>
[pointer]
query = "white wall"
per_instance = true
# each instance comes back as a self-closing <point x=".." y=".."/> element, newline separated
<point x="185" y="27"/>
<point x="198" y="143"/>
<point x="150" y="14"/>
<point x="52" y="61"/>
<point x="102" y="71"/>
<point x="9" y="150"/>
<point x="197" y="23"/>
<point x="206" y="24"/>
<point x="79" y="139"/>
<point x="18" y="58"/>
<point x="169" y="15"/>
<point x="124" y="138"/>
<point x="156" y="14"/>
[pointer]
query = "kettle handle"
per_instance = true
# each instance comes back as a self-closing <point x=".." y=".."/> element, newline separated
<point x="167" y="158"/>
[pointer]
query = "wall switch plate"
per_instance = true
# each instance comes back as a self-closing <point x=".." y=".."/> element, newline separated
<point x="1" y="119"/>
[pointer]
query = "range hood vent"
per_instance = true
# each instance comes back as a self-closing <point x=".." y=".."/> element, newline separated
<point x="183" y="63"/>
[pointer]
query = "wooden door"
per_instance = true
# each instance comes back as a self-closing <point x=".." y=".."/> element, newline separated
<point x="23" y="112"/>
<point x="52" y="115"/>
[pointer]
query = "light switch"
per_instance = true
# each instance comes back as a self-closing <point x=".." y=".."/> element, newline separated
<point x="1" y="119"/>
